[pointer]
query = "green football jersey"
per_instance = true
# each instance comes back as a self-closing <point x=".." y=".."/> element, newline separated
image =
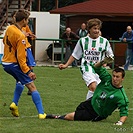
<point x="107" y="98"/>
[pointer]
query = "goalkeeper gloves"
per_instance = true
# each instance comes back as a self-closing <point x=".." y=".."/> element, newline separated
<point x="107" y="60"/>
<point x="118" y="123"/>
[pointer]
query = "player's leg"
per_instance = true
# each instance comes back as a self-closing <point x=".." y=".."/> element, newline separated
<point x="69" y="116"/>
<point x="17" y="93"/>
<point x="91" y="79"/>
<point x="91" y="90"/>
<point x="29" y="93"/>
<point x="14" y="70"/>
<point x="84" y="111"/>
<point x="36" y="99"/>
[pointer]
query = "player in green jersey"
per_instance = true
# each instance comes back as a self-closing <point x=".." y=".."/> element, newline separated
<point x="108" y="96"/>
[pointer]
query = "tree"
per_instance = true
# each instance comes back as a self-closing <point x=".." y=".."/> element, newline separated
<point x="47" y="5"/>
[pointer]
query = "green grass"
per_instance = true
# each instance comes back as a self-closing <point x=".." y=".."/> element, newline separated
<point x="61" y="92"/>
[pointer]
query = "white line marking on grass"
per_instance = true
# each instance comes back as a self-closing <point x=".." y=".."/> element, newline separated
<point x="1" y="118"/>
<point x="128" y="109"/>
<point x="33" y="116"/>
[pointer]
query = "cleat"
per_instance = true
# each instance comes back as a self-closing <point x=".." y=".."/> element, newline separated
<point x="42" y="116"/>
<point x="14" y="109"/>
<point x="51" y="116"/>
<point x="29" y="92"/>
<point x="57" y="117"/>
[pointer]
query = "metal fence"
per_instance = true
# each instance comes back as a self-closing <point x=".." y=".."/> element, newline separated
<point x="62" y="42"/>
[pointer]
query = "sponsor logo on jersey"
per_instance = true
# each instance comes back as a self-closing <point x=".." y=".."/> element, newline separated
<point x="106" y="83"/>
<point x="112" y="96"/>
<point x="91" y="55"/>
<point x="92" y="58"/>
<point x="23" y="42"/>
<point x="93" y="48"/>
<point x="89" y="52"/>
<point x="103" y="95"/>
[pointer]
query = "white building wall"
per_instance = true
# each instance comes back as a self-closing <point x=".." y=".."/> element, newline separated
<point x="1" y="46"/>
<point x="48" y="27"/>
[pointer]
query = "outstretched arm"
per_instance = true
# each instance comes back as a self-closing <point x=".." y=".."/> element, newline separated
<point x="70" y="60"/>
<point x="121" y="121"/>
<point x="102" y="72"/>
<point x="106" y="60"/>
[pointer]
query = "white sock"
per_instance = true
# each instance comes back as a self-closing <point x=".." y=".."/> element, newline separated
<point x="89" y="94"/>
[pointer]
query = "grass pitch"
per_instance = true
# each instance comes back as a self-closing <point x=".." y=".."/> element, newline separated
<point x="61" y="92"/>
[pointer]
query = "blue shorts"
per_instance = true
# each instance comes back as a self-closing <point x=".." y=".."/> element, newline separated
<point x="30" y="58"/>
<point x="15" y="70"/>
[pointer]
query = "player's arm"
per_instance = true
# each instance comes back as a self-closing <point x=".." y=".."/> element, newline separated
<point x="77" y="54"/>
<point x="106" y="60"/>
<point x="28" y="29"/>
<point x="109" y="51"/>
<point x="101" y="71"/>
<point x="21" y="57"/>
<point x="121" y="121"/>
<point x="123" y="109"/>
<point x="70" y="60"/>
<point x="29" y="33"/>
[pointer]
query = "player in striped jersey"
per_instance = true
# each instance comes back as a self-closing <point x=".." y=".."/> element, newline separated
<point x="91" y="49"/>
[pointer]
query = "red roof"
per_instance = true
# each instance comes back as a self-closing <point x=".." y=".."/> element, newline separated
<point x="92" y="7"/>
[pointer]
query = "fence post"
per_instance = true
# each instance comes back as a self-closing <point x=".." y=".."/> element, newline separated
<point x="113" y="48"/>
<point x="62" y="50"/>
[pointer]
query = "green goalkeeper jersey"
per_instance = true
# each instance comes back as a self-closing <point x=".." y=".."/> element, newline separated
<point x="107" y="98"/>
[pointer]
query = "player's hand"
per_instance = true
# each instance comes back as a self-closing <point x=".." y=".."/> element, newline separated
<point x="32" y="75"/>
<point x="104" y="65"/>
<point x="32" y="36"/>
<point x="118" y="123"/>
<point x="62" y="66"/>
<point x="109" y="59"/>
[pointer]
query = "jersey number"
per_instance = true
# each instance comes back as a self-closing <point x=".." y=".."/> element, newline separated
<point x="9" y="44"/>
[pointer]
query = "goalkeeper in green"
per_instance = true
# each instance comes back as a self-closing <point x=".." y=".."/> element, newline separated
<point x="108" y="96"/>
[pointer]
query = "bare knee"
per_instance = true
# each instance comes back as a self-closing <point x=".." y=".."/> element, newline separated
<point x="31" y="86"/>
<point x="70" y="116"/>
<point x="92" y="86"/>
